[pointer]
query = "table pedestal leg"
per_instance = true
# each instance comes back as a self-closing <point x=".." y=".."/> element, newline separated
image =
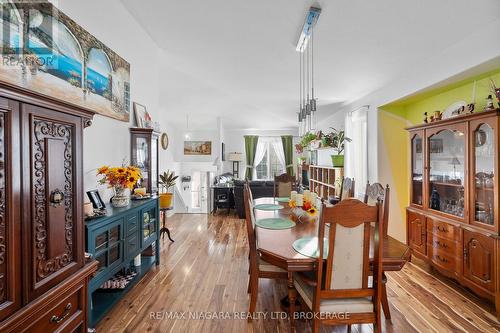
<point x="164" y="228"/>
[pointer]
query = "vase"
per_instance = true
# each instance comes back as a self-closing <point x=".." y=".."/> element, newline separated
<point x="121" y="198"/>
<point x="338" y="160"/>
<point x="166" y="200"/>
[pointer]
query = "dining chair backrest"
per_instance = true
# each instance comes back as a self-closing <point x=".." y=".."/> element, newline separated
<point x="348" y="259"/>
<point x="250" y="220"/>
<point x="377" y="193"/>
<point x="347" y="188"/>
<point x="283" y="185"/>
<point x="250" y="195"/>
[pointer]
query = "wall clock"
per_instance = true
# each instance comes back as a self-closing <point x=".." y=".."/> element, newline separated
<point x="164" y="141"/>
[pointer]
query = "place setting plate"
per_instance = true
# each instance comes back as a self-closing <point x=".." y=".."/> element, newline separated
<point x="308" y="246"/>
<point x="268" y="207"/>
<point x="275" y="223"/>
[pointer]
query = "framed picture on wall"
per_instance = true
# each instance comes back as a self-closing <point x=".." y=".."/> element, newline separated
<point x="198" y="148"/>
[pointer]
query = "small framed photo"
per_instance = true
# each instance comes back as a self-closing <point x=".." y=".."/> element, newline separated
<point x="96" y="200"/>
<point x="140" y="114"/>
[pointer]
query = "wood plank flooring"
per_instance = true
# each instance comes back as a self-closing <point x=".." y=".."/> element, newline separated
<point x="206" y="271"/>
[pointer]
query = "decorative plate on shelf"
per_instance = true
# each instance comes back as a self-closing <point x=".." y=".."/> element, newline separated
<point x="454" y="109"/>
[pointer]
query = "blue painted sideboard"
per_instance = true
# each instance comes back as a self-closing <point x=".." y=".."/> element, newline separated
<point x="114" y="241"/>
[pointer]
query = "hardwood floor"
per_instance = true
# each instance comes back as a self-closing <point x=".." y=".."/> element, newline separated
<point x="206" y="271"/>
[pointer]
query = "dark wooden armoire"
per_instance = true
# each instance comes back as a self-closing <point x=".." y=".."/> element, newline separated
<point x="43" y="271"/>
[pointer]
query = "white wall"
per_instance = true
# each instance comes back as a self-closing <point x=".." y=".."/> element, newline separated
<point x="235" y="142"/>
<point x="107" y="141"/>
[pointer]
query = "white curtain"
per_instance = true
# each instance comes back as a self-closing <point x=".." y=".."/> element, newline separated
<point x="356" y="152"/>
<point x="262" y="146"/>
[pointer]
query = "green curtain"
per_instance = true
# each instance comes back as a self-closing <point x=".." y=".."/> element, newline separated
<point x="250" y="149"/>
<point x="287" y="141"/>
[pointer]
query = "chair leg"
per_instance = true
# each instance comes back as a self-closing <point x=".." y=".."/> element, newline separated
<point x="291" y="297"/>
<point x="254" y="291"/>
<point x="384" y="300"/>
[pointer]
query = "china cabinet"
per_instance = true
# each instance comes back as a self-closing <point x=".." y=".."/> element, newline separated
<point x="144" y="154"/>
<point x="43" y="270"/>
<point x="452" y="219"/>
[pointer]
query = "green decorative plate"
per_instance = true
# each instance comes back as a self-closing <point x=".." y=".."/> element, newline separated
<point x="308" y="246"/>
<point x="275" y="223"/>
<point x="268" y="207"/>
<point x="283" y="199"/>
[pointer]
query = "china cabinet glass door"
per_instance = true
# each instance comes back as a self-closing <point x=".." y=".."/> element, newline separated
<point x="446" y="151"/>
<point x="417" y="167"/>
<point x="483" y="168"/>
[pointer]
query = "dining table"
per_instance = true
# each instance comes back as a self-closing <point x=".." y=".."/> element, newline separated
<point x="276" y="246"/>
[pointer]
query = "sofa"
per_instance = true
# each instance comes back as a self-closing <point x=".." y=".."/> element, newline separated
<point x="259" y="188"/>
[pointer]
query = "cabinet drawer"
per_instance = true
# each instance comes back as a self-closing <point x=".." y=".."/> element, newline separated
<point x="443" y="229"/>
<point x="66" y="316"/>
<point x="132" y="245"/>
<point x="443" y="259"/>
<point x="131" y="223"/>
<point x="443" y="244"/>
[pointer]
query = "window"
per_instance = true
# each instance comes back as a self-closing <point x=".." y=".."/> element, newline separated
<point x="270" y="165"/>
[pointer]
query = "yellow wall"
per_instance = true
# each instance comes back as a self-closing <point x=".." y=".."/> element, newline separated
<point x="393" y="140"/>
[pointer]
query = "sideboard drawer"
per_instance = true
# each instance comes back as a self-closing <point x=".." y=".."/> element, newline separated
<point x="443" y="229"/>
<point x="131" y="223"/>
<point x="443" y="259"/>
<point x="443" y="244"/>
<point x="64" y="317"/>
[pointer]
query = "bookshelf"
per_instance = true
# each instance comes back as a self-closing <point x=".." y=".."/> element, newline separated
<point x="322" y="180"/>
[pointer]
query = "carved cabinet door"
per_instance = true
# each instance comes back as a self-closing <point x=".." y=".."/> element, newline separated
<point x="479" y="265"/>
<point x="417" y="232"/>
<point x="10" y="245"/>
<point x="52" y="233"/>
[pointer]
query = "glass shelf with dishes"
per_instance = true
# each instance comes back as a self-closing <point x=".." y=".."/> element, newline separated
<point x="447" y="172"/>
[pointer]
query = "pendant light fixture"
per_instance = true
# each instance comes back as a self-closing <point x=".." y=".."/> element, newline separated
<point x="307" y="105"/>
<point x="301" y="129"/>
<point x="312" y="101"/>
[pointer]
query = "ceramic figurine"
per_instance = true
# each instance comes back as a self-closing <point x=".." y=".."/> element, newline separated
<point x="489" y="103"/>
<point x="425" y="118"/>
<point x="438" y="115"/>
<point x="470" y="108"/>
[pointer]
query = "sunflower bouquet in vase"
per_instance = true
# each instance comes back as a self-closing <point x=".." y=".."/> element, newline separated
<point x="121" y="180"/>
<point x="303" y="205"/>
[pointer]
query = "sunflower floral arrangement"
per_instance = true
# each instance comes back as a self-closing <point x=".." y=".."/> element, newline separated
<point x="120" y="179"/>
<point x="306" y="209"/>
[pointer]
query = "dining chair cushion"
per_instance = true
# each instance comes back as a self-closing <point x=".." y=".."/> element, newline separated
<point x="348" y="258"/>
<point x="264" y="266"/>
<point x="341" y="305"/>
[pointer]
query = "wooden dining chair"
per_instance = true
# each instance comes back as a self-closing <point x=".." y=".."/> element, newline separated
<point x="343" y="294"/>
<point x="258" y="267"/>
<point x="283" y="185"/>
<point x="376" y="193"/>
<point x="347" y="188"/>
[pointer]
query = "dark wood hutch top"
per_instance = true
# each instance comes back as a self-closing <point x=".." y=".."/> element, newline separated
<point x="28" y="96"/>
<point x="457" y="119"/>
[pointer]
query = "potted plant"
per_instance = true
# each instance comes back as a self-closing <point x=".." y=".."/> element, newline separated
<point x="307" y="139"/>
<point x="336" y="139"/>
<point x="167" y="181"/>
<point x="122" y="180"/>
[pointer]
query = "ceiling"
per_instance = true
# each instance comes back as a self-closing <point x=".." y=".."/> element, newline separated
<point x="236" y="59"/>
